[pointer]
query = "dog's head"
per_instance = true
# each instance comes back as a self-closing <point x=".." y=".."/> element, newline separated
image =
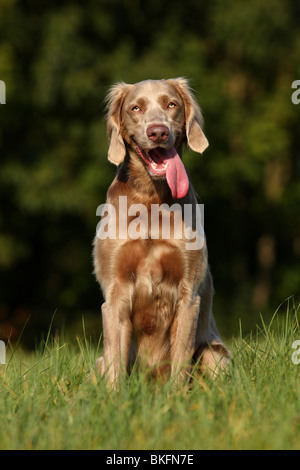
<point x="155" y="117"/>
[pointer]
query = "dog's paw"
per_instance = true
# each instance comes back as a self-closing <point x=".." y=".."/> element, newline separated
<point x="100" y="366"/>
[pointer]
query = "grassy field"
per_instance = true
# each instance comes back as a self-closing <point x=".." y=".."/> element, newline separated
<point x="50" y="399"/>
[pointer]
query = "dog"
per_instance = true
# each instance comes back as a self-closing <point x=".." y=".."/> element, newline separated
<point x="158" y="292"/>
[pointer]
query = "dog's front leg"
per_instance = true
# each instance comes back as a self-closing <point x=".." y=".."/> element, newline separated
<point x="183" y="335"/>
<point x="111" y="335"/>
<point x="117" y="330"/>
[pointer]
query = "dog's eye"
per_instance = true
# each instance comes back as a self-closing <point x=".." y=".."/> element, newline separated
<point x="136" y="109"/>
<point x="171" y="105"/>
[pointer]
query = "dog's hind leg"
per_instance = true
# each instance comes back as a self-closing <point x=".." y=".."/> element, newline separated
<point x="212" y="358"/>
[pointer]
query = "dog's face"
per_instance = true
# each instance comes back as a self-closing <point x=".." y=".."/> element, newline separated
<point x="155" y="117"/>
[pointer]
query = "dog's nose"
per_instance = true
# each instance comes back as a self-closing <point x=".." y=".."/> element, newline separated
<point x="158" y="133"/>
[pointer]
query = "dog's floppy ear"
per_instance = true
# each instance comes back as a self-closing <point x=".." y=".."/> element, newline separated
<point x="115" y="99"/>
<point x="193" y="117"/>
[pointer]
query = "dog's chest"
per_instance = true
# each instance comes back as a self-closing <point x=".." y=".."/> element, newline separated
<point x="154" y="270"/>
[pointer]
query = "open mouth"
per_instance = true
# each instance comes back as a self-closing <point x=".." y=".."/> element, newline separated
<point x="156" y="160"/>
<point x="166" y="162"/>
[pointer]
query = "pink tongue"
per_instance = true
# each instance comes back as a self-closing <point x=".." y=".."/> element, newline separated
<point x="176" y="176"/>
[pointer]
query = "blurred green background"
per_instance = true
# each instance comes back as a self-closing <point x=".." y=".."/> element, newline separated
<point x="58" y="60"/>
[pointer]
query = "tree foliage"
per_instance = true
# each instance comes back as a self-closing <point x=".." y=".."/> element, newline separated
<point x="58" y="59"/>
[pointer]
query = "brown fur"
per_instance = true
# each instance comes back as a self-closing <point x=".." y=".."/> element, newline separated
<point x="158" y="295"/>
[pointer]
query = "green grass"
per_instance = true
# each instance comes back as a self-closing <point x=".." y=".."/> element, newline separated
<point x="50" y="399"/>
